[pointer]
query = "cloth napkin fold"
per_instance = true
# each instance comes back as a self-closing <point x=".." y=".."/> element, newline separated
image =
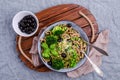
<point x="34" y="50"/>
<point x="86" y="68"/>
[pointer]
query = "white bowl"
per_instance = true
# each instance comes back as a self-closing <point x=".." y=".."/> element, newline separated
<point x="16" y="20"/>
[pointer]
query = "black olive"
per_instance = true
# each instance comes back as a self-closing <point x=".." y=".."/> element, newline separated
<point x="21" y="27"/>
<point x="67" y="65"/>
<point x="22" y="24"/>
<point x="49" y="63"/>
<point x="25" y="20"/>
<point x="60" y="40"/>
<point x="27" y="24"/>
<point x="23" y="30"/>
<point x="29" y="21"/>
<point x="33" y="30"/>
<point x="63" y="55"/>
<point x="28" y="32"/>
<point x="30" y="27"/>
<point x="69" y="25"/>
<point x="32" y="19"/>
<point x="32" y="24"/>
<point x="29" y="16"/>
<point x="69" y="40"/>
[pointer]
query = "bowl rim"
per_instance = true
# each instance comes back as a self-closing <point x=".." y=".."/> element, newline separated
<point x="21" y="14"/>
<point x="80" y="31"/>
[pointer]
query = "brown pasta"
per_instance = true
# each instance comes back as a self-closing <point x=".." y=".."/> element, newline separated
<point x="71" y="45"/>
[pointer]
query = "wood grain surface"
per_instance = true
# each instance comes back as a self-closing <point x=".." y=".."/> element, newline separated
<point x="52" y="15"/>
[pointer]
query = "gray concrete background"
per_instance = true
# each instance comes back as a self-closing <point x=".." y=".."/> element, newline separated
<point x="107" y="14"/>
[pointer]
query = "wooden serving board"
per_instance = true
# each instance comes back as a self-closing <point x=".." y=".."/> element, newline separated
<point x="52" y="15"/>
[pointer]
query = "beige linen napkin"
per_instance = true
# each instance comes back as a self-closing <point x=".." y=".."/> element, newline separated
<point x="95" y="56"/>
<point x="34" y="50"/>
<point x="86" y="68"/>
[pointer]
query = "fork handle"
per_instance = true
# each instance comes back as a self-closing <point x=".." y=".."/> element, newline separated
<point x="95" y="67"/>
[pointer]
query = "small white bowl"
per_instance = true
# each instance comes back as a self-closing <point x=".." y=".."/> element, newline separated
<point x="19" y="16"/>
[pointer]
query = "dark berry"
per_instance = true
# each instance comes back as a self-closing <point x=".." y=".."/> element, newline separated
<point x="28" y="24"/>
<point x="49" y="63"/>
<point x="22" y="24"/>
<point x="23" y="30"/>
<point x="68" y="40"/>
<point x="73" y="44"/>
<point x="69" y="25"/>
<point x="60" y="40"/>
<point x="32" y="19"/>
<point x="29" y="21"/>
<point x="67" y="65"/>
<point x="21" y="27"/>
<point x="63" y="55"/>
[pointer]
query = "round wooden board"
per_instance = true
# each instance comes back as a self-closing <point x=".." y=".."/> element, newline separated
<point x="52" y="15"/>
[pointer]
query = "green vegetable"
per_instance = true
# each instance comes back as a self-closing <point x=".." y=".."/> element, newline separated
<point x="53" y="50"/>
<point x="51" y="40"/>
<point x="70" y="50"/>
<point x="58" y="30"/>
<point x="46" y="53"/>
<point x="74" y="54"/>
<point x="52" y="46"/>
<point x="59" y="48"/>
<point x="74" y="38"/>
<point x="57" y="64"/>
<point x="73" y="63"/>
<point x="44" y="45"/>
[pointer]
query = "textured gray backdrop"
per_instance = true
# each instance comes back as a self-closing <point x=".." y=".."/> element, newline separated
<point x="107" y="14"/>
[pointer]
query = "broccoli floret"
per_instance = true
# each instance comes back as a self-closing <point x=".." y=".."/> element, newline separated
<point x="59" y="48"/>
<point x="52" y="46"/>
<point x="58" y="30"/>
<point x="57" y="64"/>
<point x="44" y="45"/>
<point x="74" y="54"/>
<point x="51" y="40"/>
<point x="46" y="53"/>
<point x="72" y="63"/>
<point x="54" y="52"/>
